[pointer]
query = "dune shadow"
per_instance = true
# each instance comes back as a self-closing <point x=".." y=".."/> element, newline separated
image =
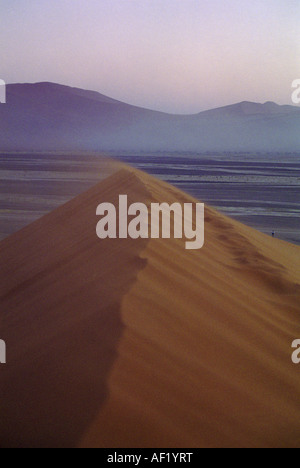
<point x="61" y="293"/>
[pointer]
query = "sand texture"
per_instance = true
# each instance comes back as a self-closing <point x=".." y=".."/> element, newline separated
<point x="141" y="343"/>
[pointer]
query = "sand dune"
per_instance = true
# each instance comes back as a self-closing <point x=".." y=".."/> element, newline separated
<point x="141" y="343"/>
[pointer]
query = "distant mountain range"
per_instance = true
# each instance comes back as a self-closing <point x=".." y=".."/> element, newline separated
<point x="47" y="117"/>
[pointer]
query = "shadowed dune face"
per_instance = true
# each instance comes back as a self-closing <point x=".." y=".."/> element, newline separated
<point x="61" y="294"/>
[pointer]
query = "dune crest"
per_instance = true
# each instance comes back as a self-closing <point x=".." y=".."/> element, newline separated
<point x="193" y="347"/>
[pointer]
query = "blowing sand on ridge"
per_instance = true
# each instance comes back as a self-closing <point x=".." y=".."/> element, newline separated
<point x="141" y="343"/>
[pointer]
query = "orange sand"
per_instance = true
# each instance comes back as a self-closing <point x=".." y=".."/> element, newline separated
<point x="125" y="343"/>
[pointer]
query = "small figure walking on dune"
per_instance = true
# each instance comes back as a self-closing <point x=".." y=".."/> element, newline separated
<point x="273" y="233"/>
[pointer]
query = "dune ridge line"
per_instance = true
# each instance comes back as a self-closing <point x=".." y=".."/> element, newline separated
<point x="140" y="343"/>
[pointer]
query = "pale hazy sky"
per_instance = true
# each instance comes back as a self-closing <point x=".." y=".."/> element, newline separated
<point x="179" y="56"/>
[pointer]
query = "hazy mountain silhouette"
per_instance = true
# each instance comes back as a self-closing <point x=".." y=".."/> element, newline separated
<point x="47" y="116"/>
